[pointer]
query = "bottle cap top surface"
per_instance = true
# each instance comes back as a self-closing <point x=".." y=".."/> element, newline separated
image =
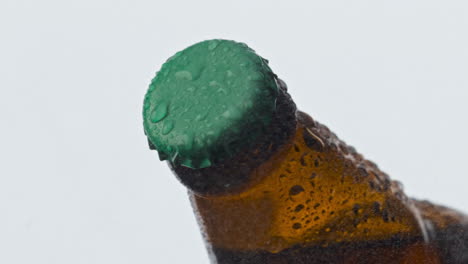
<point x="208" y="102"/>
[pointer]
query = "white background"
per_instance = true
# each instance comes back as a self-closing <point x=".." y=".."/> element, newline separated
<point x="77" y="181"/>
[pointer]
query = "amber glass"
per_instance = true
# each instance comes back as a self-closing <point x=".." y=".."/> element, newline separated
<point x="302" y="196"/>
<point x="316" y="200"/>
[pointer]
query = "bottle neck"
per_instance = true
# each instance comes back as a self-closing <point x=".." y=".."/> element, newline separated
<point x="315" y="191"/>
<point x="230" y="175"/>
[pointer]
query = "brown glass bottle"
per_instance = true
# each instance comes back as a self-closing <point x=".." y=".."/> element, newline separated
<point x="300" y="195"/>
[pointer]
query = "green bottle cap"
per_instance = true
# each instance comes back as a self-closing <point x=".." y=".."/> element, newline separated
<point x="208" y="102"/>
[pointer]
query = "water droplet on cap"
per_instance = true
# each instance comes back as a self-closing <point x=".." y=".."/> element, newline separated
<point x="191" y="89"/>
<point x="168" y="126"/>
<point x="221" y="90"/>
<point x="255" y="76"/>
<point x="205" y="163"/>
<point x="247" y="104"/>
<point x="226" y="114"/>
<point x="213" y="45"/>
<point x="187" y="163"/>
<point x="229" y="73"/>
<point x="184" y="75"/>
<point x="147" y="104"/>
<point x="201" y="116"/>
<point x="159" y="113"/>
<point x="188" y="141"/>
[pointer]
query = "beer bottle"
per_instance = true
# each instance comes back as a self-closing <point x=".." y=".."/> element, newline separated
<point x="269" y="184"/>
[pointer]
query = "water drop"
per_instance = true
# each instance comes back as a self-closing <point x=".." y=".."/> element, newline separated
<point x="229" y="73"/>
<point x="201" y="117"/>
<point x="159" y="113"/>
<point x="205" y="163"/>
<point x="184" y="75"/>
<point x="188" y="141"/>
<point x="226" y="114"/>
<point x="247" y="104"/>
<point x="213" y="45"/>
<point x="191" y="89"/>
<point x="221" y="90"/>
<point x="376" y="207"/>
<point x="187" y="163"/>
<point x="296" y="226"/>
<point x="174" y="155"/>
<point x="295" y="190"/>
<point x="168" y="126"/>
<point x="255" y="76"/>
<point x="316" y="163"/>
<point x="313" y="141"/>
<point x="299" y="208"/>
<point x="147" y="104"/>
<point x="356" y="208"/>
<point x="196" y="70"/>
